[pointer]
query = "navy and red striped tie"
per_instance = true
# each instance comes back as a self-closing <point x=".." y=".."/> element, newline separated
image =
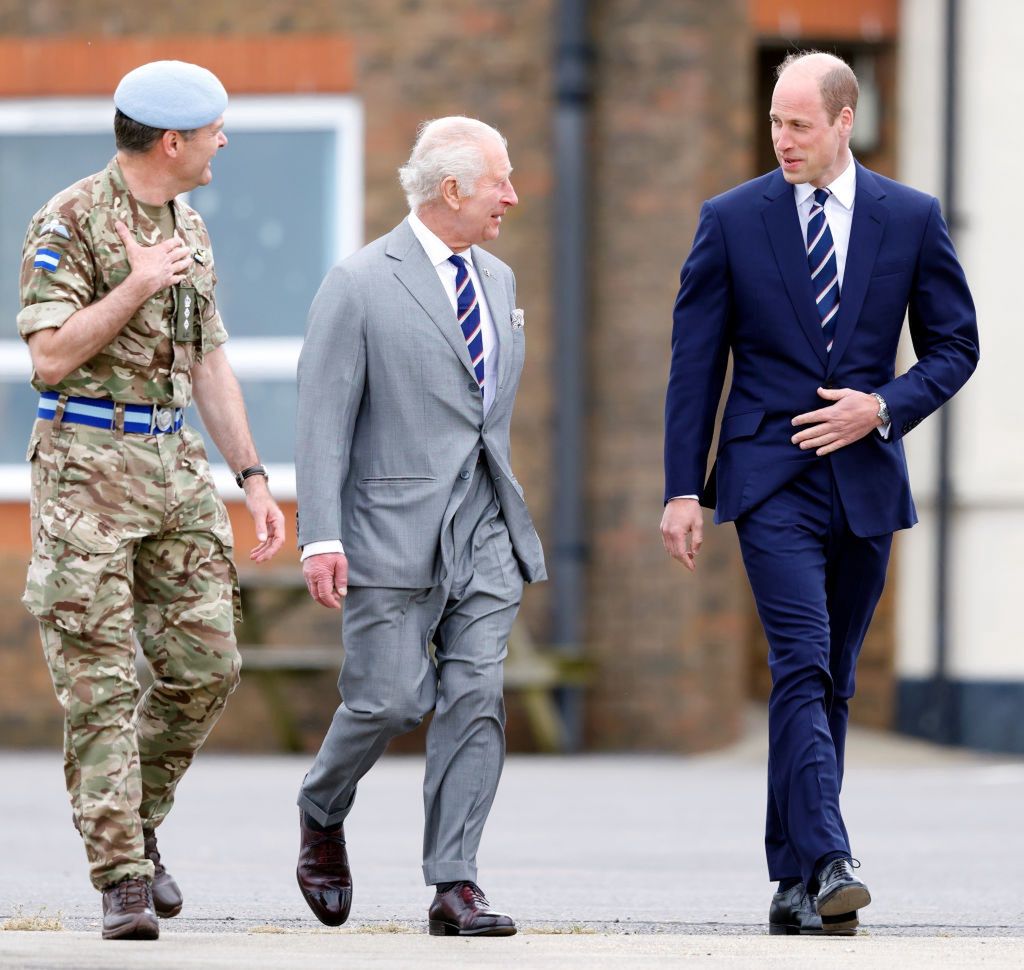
<point x="821" y="258"/>
<point x="468" y="313"/>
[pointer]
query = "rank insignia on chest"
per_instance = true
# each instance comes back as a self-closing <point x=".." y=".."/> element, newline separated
<point x="201" y="256"/>
<point x="185" y="298"/>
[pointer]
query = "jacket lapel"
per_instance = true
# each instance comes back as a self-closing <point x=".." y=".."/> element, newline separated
<point x="783" y="227"/>
<point x="419" y="277"/>
<point x="869" y="218"/>
<point x="501" y="312"/>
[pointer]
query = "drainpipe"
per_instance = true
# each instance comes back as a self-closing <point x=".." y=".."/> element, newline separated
<point x="942" y="718"/>
<point x="572" y="60"/>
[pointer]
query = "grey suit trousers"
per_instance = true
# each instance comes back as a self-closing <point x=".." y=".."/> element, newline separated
<point x="389" y="683"/>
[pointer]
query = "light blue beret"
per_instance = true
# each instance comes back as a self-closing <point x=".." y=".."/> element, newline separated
<point x="171" y="95"/>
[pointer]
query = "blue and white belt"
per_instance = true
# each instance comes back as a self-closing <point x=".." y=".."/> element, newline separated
<point x="99" y="413"/>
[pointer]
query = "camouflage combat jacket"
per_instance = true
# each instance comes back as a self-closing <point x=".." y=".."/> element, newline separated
<point x="73" y="257"/>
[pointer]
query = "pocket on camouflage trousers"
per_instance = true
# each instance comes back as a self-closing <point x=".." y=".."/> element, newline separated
<point x="91" y="473"/>
<point x="225" y="538"/>
<point x="72" y="553"/>
<point x="47" y="451"/>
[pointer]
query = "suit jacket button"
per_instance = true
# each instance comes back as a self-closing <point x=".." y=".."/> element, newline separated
<point x="464" y="474"/>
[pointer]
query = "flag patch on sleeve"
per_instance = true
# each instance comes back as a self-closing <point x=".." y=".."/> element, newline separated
<point x="47" y="259"/>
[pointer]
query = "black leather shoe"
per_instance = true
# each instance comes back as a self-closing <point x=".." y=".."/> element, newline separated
<point x="324" y="876"/>
<point x="463" y="910"/>
<point x="167" y="899"/>
<point x="793" y="912"/>
<point x="840" y="895"/>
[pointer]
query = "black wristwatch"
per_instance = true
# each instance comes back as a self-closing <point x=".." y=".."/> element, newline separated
<point x="883" y="409"/>
<point x="245" y="473"/>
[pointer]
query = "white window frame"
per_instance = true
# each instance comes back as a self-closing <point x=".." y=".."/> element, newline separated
<point x="267" y="358"/>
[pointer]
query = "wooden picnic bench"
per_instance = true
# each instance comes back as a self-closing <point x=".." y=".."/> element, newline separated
<point x="270" y="595"/>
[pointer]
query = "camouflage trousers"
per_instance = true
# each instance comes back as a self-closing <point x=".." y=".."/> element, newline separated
<point x="130" y="537"/>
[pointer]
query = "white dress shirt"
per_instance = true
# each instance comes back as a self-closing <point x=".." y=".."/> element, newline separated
<point x="438" y="253"/>
<point x="839" y="214"/>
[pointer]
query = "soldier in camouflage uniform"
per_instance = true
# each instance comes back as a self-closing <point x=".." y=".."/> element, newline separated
<point x="129" y="534"/>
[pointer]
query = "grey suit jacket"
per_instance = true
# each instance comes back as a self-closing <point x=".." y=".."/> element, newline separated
<point x="390" y="416"/>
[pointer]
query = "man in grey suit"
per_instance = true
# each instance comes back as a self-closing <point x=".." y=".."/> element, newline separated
<point x="408" y="508"/>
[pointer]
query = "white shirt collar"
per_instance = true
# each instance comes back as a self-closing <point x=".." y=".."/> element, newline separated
<point x="437" y="251"/>
<point x="843" y="187"/>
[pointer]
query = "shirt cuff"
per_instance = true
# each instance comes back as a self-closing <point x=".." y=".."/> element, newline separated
<point x="884" y="430"/>
<point x="319" y="548"/>
<point x="43" y="316"/>
<point x="674" y="497"/>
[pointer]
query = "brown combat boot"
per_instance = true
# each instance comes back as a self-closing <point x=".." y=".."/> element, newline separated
<point x="128" y="911"/>
<point x="167" y="899"/>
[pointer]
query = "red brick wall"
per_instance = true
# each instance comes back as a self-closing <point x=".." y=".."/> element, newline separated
<point x="864" y="19"/>
<point x="263" y="64"/>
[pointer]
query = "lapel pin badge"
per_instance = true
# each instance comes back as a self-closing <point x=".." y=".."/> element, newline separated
<point x="518" y="319"/>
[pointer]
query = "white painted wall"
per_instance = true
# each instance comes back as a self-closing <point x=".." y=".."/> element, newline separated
<point x="987" y="575"/>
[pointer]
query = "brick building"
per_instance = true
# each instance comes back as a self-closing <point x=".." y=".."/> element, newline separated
<point x="678" y="113"/>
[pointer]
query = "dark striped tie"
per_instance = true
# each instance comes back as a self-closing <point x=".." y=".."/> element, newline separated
<point x="821" y="258"/>
<point x="468" y="313"/>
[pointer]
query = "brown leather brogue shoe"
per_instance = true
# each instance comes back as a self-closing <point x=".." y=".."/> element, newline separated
<point x="128" y="911"/>
<point x="463" y="910"/>
<point x="167" y="899"/>
<point x="324" y="876"/>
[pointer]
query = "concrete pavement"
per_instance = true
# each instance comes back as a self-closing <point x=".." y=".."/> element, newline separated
<point x="627" y="861"/>
<point x="356" y="951"/>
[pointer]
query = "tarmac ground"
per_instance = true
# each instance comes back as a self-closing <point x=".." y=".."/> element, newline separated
<point x="627" y="861"/>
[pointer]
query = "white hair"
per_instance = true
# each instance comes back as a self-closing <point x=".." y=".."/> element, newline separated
<point x="446" y="148"/>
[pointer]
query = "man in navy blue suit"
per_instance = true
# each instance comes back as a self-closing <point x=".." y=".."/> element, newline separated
<point x="806" y="275"/>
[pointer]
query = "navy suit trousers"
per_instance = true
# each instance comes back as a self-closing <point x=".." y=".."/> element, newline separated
<point x="816" y="585"/>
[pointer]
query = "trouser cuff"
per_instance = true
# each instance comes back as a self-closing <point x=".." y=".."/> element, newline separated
<point x="326" y="819"/>
<point x="461" y="871"/>
<point x="129" y="870"/>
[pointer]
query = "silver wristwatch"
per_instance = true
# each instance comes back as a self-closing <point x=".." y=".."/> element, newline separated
<point x="883" y="409"/>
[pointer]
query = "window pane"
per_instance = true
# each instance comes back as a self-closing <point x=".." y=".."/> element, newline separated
<point x="271" y="409"/>
<point x="18" y="405"/>
<point x="270" y="212"/>
<point x="34" y="168"/>
<point x="284" y="205"/>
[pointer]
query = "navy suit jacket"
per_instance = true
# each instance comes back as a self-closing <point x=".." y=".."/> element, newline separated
<point x="746" y="288"/>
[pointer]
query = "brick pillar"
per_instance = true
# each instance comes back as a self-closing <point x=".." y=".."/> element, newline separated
<point x="673" y="125"/>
